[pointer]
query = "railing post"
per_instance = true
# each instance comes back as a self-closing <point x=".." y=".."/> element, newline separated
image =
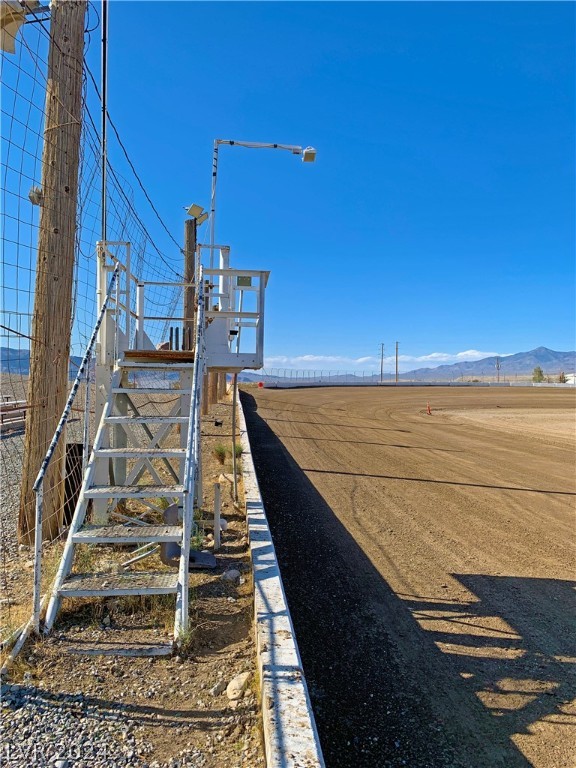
<point x="217" y="507"/>
<point x="190" y="481"/>
<point x="185" y="559"/>
<point x="234" y="470"/>
<point x="140" y="316"/>
<point x="260" y="329"/>
<point x="117" y="321"/>
<point x="127" y="297"/>
<point x="86" y="430"/>
<point x="37" y="558"/>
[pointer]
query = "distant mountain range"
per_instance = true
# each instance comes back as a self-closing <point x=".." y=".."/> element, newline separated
<point x="521" y="364"/>
<point x="16" y="361"/>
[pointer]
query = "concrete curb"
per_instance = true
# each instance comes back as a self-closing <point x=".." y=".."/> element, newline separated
<point x="290" y="736"/>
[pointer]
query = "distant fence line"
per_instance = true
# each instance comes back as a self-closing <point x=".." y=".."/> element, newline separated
<point x="280" y="378"/>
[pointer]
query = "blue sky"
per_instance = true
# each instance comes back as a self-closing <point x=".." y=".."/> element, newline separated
<point x="440" y="211"/>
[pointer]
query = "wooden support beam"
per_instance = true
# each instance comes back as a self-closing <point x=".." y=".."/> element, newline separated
<point x="212" y="387"/>
<point x="221" y="385"/>
<point x="205" y="403"/>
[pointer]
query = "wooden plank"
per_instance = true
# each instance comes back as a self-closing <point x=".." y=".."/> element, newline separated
<point x="135" y="365"/>
<point x="124" y="649"/>
<point x="160" y="355"/>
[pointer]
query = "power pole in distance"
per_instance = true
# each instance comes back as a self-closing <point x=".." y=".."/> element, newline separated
<point x="396" y="362"/>
<point x="381" y="362"/>
<point x="50" y="349"/>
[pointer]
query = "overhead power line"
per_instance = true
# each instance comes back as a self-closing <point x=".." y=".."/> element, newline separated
<point x="133" y="169"/>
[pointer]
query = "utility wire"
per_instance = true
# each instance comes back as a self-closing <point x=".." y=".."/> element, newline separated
<point x="131" y="164"/>
<point x="131" y="206"/>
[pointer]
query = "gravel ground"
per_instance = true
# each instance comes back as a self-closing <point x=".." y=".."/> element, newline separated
<point x="11" y="455"/>
<point x="11" y="452"/>
<point x="66" y="730"/>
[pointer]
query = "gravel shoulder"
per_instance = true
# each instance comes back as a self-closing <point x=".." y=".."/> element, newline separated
<point x="429" y="567"/>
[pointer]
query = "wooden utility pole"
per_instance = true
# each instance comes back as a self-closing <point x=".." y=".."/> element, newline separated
<point x="381" y="363"/>
<point x="396" y="362"/>
<point x="50" y="349"/>
<point x="189" y="277"/>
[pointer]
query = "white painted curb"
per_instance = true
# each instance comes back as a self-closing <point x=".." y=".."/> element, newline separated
<point x="290" y="736"/>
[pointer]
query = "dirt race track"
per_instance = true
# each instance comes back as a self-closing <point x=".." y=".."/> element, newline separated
<point x="428" y="562"/>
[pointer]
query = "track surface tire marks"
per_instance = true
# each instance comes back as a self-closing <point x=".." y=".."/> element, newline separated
<point x="427" y="563"/>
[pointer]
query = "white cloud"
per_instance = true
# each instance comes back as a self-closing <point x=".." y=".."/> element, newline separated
<point x="371" y="363"/>
<point x="304" y="361"/>
<point x="441" y="358"/>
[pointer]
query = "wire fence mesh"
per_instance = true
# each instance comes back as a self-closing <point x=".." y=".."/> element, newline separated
<point x="24" y="78"/>
<point x="298" y="377"/>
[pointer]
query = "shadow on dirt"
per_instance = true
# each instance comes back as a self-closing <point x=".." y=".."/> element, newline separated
<point x="514" y="646"/>
<point x="436" y="482"/>
<point x="383" y="693"/>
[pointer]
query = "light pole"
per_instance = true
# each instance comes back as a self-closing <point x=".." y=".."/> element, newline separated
<point x="308" y="155"/>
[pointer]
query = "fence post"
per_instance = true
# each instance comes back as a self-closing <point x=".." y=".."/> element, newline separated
<point x="217" y="508"/>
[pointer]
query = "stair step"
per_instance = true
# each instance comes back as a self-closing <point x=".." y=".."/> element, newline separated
<point x="147" y="420"/>
<point x="133" y="491"/>
<point x="118" y="584"/>
<point x="138" y="453"/>
<point x="150" y="391"/>
<point x="127" y="534"/>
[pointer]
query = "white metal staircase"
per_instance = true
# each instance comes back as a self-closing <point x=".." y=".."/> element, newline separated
<point x="142" y="442"/>
<point x="143" y="479"/>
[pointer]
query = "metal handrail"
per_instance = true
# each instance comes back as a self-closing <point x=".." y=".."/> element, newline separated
<point x="38" y="486"/>
<point x="191" y="467"/>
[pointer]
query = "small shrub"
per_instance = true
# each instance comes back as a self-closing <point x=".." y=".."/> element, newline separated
<point x="219" y="452"/>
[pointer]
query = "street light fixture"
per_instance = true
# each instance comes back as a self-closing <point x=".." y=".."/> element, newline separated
<point x="195" y="211"/>
<point x="308" y="155"/>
